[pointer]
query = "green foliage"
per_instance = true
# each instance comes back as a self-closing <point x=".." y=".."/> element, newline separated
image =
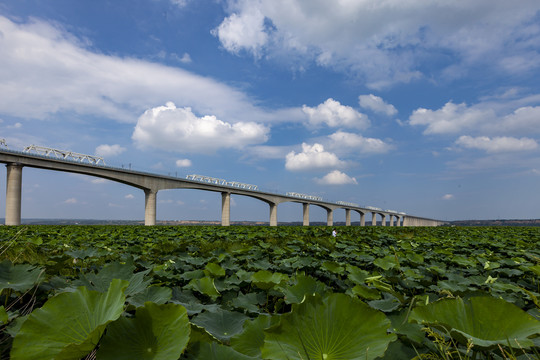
<point x="157" y="332"/>
<point x="336" y="327"/>
<point x="240" y="285"/>
<point x="69" y="325"/>
<point x="483" y="322"/>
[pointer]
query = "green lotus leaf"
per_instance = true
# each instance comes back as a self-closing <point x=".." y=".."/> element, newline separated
<point x="157" y="332"/>
<point x="336" y="327"/>
<point x="366" y="292"/>
<point x="215" y="351"/>
<point x="205" y="286"/>
<point x="356" y="275"/>
<point x="388" y="304"/>
<point x="248" y="302"/>
<point x="305" y="285"/>
<point x="3" y="316"/>
<point x="251" y="339"/>
<point x="386" y="263"/>
<point x="486" y="321"/>
<point x="84" y="253"/>
<point x="415" y="258"/>
<point x="265" y="279"/>
<point x="69" y="325"/>
<point x="20" y="277"/>
<point x="192" y="304"/>
<point x="215" y="270"/>
<point x="535" y="269"/>
<point x="115" y="270"/>
<point x="464" y="261"/>
<point x="333" y="267"/>
<point x="155" y="294"/>
<point x="221" y="324"/>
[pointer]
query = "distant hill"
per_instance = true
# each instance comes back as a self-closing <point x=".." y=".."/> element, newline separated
<point x="504" y="222"/>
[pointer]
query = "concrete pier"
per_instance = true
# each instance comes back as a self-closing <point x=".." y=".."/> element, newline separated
<point x="273" y="214"/>
<point x="225" y="209"/>
<point x="150" y="207"/>
<point x="13" y="194"/>
<point x="305" y="211"/>
<point x="329" y="217"/>
<point x="347" y="217"/>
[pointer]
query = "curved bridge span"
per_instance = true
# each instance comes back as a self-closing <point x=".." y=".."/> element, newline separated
<point x="152" y="183"/>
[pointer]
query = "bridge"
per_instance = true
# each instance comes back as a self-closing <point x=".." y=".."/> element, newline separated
<point x="152" y="183"/>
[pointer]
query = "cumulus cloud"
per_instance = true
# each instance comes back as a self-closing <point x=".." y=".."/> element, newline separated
<point x="522" y="120"/>
<point x="451" y="118"/>
<point x="109" y="150"/>
<point x="180" y="130"/>
<point x="349" y="141"/>
<point x="183" y="163"/>
<point x="448" y="197"/>
<point x="384" y="41"/>
<point x="376" y="104"/>
<point x="497" y="144"/>
<point x="333" y="114"/>
<point x="129" y="196"/>
<point x="46" y="70"/>
<point x="312" y="157"/>
<point x="245" y="30"/>
<point x="336" y="177"/>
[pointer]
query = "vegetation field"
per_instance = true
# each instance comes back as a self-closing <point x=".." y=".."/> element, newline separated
<point x="205" y="292"/>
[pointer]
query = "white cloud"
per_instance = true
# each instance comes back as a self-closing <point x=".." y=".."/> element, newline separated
<point x="312" y="157"/>
<point x="333" y="114"/>
<point x="46" y="70"/>
<point x="186" y="58"/>
<point x="129" y="196"/>
<point x="99" y="181"/>
<point x="243" y="31"/>
<point x="179" y="130"/>
<point x="448" y="197"/>
<point x="384" y="41"/>
<point x="71" y="201"/>
<point x="336" y="177"/>
<point x="180" y="3"/>
<point x="522" y="120"/>
<point x="451" y="118"/>
<point x="109" y="150"/>
<point x="497" y="144"/>
<point x="376" y="104"/>
<point x="348" y="141"/>
<point x="183" y="163"/>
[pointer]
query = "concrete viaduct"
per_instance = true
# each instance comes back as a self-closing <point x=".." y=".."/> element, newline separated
<point x="152" y="183"/>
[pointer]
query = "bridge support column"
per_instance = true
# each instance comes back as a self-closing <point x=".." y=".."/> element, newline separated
<point x="373" y="219"/>
<point x="305" y="211"/>
<point x="225" y="209"/>
<point x="391" y="220"/>
<point x="13" y="194"/>
<point x="362" y="219"/>
<point x="150" y="196"/>
<point x="329" y="217"/>
<point x="273" y="214"/>
<point x="347" y="217"/>
<point x="383" y="221"/>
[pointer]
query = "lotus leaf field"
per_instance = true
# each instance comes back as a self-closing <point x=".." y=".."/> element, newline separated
<point x="205" y="292"/>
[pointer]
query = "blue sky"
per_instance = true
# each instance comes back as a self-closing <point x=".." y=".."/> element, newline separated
<point x="431" y="108"/>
